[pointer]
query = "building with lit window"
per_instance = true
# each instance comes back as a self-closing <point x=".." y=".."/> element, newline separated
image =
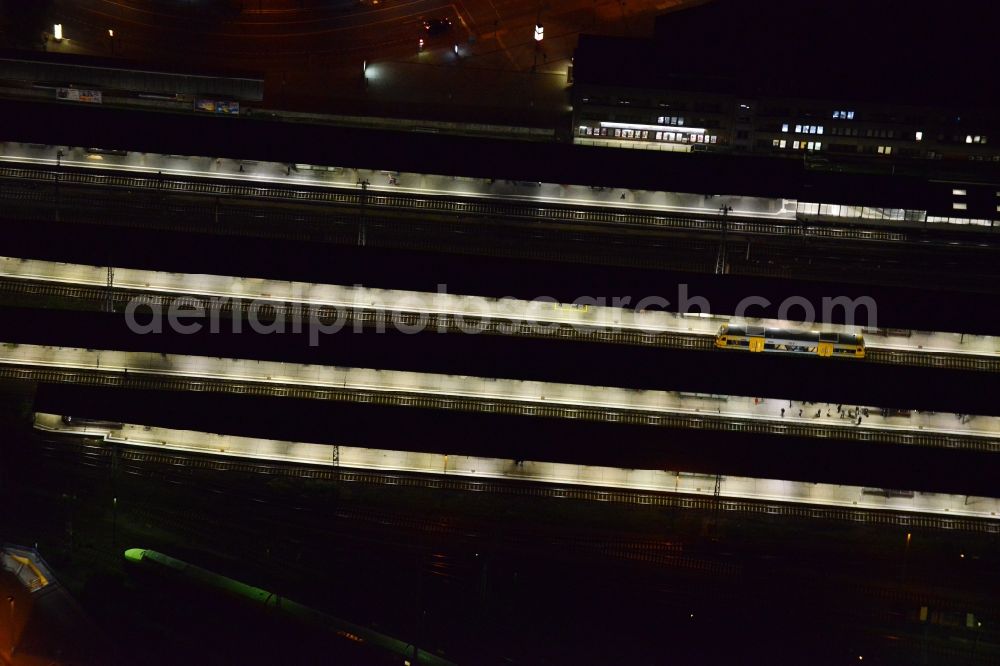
<point x="757" y="77"/>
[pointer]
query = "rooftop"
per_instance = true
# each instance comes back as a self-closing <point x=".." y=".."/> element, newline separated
<point x="850" y="49"/>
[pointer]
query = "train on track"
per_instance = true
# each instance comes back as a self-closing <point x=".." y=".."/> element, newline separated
<point x="100" y="423"/>
<point x="790" y="341"/>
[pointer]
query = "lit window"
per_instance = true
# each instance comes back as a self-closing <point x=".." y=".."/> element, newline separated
<point x="811" y="145"/>
<point x="785" y="143"/>
<point x="920" y="136"/>
<point x="798" y="129"/>
<point x="881" y="150"/>
<point x="836" y="114"/>
<point x="784" y="127"/>
<point x="659" y="136"/>
<point x="660" y="120"/>
<point x="812" y="129"/>
<point x="714" y="138"/>
<point x="819" y="130"/>
<point x="978" y="139"/>
<point x="888" y="150"/>
<point x="958" y="205"/>
<point x="774" y="143"/>
<point x="819" y="146"/>
<point x="850" y="115"/>
<point x="958" y="193"/>
<point x="680" y="121"/>
<point x="968" y="139"/>
<point x="795" y="145"/>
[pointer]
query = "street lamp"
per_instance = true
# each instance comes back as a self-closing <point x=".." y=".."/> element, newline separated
<point x="10" y="598"/>
<point x="539" y="35"/>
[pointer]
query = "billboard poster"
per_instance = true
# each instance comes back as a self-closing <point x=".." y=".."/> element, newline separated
<point x="77" y="95"/>
<point x="217" y="106"/>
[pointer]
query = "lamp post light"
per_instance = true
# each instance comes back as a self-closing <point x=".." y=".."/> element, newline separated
<point x="10" y="598"/>
<point x="539" y="36"/>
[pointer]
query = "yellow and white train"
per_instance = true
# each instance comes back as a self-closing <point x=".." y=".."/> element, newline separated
<point x="790" y="341"/>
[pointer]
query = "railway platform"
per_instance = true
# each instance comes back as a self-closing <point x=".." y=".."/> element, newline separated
<point x="561" y="479"/>
<point x="637" y="323"/>
<point x="143" y="370"/>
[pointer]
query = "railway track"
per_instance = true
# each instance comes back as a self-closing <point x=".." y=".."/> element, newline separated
<point x="165" y="466"/>
<point x="767" y="508"/>
<point x="484" y="208"/>
<point x="704" y="420"/>
<point x="388" y="224"/>
<point x="877" y="601"/>
<point x="94" y="297"/>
